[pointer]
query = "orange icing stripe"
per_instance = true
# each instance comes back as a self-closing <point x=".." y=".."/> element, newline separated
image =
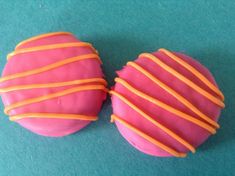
<point x="50" y="85"/>
<point x="193" y="71"/>
<point x="154" y="122"/>
<point x="49" y="47"/>
<point x="50" y="67"/>
<point x="173" y="93"/>
<point x="53" y="95"/>
<point x="42" y="36"/>
<point x="53" y="116"/>
<point x="147" y="137"/>
<point x="165" y="106"/>
<point x="183" y="79"/>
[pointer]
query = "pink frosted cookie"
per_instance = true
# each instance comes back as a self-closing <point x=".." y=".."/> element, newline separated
<point x="166" y="103"/>
<point x="52" y="84"/>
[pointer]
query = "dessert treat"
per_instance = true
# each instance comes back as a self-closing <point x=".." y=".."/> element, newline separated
<point x="166" y="103"/>
<point x="52" y="84"/>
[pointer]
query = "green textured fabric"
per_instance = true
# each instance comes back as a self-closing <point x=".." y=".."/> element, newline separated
<point x="121" y="30"/>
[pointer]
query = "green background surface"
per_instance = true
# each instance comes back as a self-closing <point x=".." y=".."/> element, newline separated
<point x="121" y="30"/>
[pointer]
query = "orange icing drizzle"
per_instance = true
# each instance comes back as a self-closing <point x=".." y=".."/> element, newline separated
<point x="173" y="93"/>
<point x="154" y="122"/>
<point x="53" y="116"/>
<point x="171" y="109"/>
<point x="50" y="47"/>
<point x="53" y="95"/>
<point x="51" y="85"/>
<point x="147" y="137"/>
<point x="42" y="36"/>
<point x="193" y="71"/>
<point x="165" y="106"/>
<point x="50" y="67"/>
<point x="183" y="79"/>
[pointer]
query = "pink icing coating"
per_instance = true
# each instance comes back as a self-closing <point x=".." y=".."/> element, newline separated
<point x="84" y="102"/>
<point x="192" y="133"/>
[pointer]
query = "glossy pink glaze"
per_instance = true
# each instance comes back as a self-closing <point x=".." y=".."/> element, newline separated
<point x="192" y="133"/>
<point x="85" y="102"/>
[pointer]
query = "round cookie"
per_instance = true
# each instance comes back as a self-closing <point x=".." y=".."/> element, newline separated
<point x="52" y="84"/>
<point x="166" y="103"/>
